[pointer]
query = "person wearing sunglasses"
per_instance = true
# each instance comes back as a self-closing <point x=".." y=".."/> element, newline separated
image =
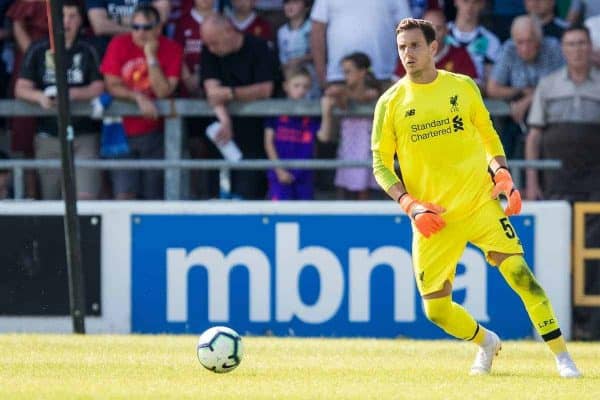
<point x="142" y="66"/>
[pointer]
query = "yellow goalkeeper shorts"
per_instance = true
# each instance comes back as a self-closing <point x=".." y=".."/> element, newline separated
<point x="435" y="258"/>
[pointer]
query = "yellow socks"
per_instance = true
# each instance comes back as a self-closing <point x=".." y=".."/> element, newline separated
<point x="453" y="319"/>
<point x="517" y="274"/>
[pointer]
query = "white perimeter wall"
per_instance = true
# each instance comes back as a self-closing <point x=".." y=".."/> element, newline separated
<point x="552" y="246"/>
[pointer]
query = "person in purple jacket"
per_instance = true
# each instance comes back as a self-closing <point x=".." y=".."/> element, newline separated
<point x="291" y="137"/>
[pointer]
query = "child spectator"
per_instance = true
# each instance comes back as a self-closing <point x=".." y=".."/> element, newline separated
<point x="288" y="137"/>
<point x="355" y="132"/>
<point x="293" y="40"/>
<point x="244" y="19"/>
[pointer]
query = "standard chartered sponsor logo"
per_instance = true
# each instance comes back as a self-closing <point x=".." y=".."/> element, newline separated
<point x="437" y="127"/>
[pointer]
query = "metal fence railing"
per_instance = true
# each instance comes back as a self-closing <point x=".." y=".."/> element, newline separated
<point x="176" y="110"/>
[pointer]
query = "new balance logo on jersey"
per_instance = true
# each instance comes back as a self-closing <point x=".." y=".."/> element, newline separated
<point x="454" y="103"/>
<point x="457" y="123"/>
<point x="410" y="113"/>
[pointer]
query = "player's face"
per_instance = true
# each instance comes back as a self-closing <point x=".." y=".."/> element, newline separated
<point x="294" y="8"/>
<point x="297" y="87"/>
<point x="577" y="48"/>
<point x="415" y="54"/>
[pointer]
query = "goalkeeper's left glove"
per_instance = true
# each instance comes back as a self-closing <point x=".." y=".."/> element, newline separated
<point x="504" y="185"/>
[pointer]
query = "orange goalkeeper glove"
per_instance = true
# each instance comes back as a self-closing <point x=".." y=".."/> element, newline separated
<point x="504" y="185"/>
<point x="426" y="216"/>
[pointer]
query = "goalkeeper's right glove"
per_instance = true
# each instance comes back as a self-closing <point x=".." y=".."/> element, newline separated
<point x="426" y="216"/>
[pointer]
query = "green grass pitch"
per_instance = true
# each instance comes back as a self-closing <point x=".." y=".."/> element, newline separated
<point x="166" y="367"/>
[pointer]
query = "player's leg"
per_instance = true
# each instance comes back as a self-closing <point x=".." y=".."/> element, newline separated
<point x="434" y="261"/>
<point x="495" y="235"/>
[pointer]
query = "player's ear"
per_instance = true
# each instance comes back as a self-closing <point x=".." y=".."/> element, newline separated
<point x="434" y="46"/>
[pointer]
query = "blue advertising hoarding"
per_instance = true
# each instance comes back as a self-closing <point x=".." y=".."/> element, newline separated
<point x="303" y="275"/>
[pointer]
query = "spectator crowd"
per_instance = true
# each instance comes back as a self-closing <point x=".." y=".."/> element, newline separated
<point x="540" y="56"/>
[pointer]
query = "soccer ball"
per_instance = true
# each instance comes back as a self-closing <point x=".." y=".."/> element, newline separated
<point x="220" y="349"/>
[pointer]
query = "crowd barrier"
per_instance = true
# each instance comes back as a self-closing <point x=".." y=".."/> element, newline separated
<point x="175" y="110"/>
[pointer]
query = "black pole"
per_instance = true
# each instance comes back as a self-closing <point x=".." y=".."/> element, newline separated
<point x="66" y="135"/>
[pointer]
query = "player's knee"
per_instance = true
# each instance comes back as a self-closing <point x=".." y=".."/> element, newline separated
<point x="437" y="310"/>
<point x="520" y="277"/>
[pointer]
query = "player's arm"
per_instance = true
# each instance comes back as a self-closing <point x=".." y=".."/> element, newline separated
<point x="426" y="217"/>
<point x="503" y="182"/>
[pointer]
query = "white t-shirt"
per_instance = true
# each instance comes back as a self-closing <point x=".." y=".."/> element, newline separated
<point x="293" y="43"/>
<point x="593" y="24"/>
<point x="365" y="26"/>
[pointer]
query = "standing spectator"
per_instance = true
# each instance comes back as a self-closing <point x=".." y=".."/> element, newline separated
<point x="544" y="11"/>
<point x="593" y="24"/>
<point x="109" y="18"/>
<point x="340" y="27"/>
<point x="293" y="40"/>
<point x="447" y="57"/>
<point x="504" y="12"/>
<point x="524" y="59"/>
<point x="466" y="31"/>
<point x="289" y="137"/>
<point x="142" y="66"/>
<point x="355" y="132"/>
<point x="37" y="84"/>
<point x="30" y="23"/>
<point x="244" y="18"/>
<point x="565" y="121"/>
<point x="189" y="34"/>
<point x="237" y="66"/>
<point x="418" y="8"/>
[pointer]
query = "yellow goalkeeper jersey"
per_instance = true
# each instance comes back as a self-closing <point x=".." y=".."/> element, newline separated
<point x="444" y="139"/>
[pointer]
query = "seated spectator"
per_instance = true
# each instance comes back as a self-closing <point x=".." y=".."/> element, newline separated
<point x="37" y="84"/>
<point x="335" y="34"/>
<point x="447" y="57"/>
<point x="355" y="132"/>
<point x="466" y="31"/>
<point x="237" y="67"/>
<point x="293" y="41"/>
<point x="244" y="18"/>
<point x="593" y="24"/>
<point x="142" y="66"/>
<point x="544" y="11"/>
<point x="524" y="59"/>
<point x="565" y="121"/>
<point x="291" y="137"/>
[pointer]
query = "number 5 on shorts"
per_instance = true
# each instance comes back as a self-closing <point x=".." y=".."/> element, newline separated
<point x="508" y="229"/>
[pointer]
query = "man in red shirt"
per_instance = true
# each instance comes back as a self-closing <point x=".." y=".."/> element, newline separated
<point x="448" y="57"/>
<point x="142" y="66"/>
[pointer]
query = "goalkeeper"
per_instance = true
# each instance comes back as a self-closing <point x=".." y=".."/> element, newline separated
<point x="436" y="124"/>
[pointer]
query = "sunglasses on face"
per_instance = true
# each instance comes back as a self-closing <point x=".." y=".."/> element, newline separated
<point x="142" y="27"/>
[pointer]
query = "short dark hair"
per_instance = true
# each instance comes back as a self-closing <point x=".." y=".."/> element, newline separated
<point x="148" y="11"/>
<point x="73" y="3"/>
<point x="412" y="23"/>
<point x="577" y="27"/>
